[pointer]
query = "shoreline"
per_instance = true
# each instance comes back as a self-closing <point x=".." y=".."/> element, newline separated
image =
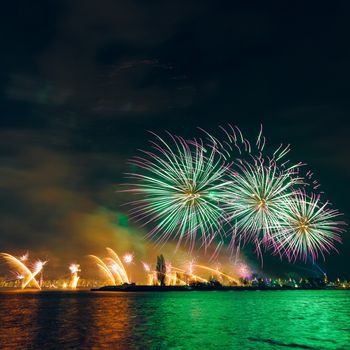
<point x="162" y="289"/>
<point x="145" y="288"/>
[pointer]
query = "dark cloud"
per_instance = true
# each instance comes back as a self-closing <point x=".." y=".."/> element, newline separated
<point x="82" y="82"/>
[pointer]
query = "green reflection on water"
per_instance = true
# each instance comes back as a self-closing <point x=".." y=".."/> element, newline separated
<point x="251" y="320"/>
<point x="185" y="320"/>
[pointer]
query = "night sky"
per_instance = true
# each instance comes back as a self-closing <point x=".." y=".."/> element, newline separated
<point x="82" y="83"/>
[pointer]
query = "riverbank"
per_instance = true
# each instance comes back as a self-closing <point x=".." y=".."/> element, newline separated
<point x="205" y="288"/>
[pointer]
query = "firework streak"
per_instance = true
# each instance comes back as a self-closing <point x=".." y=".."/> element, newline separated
<point x="182" y="185"/>
<point x="229" y="189"/>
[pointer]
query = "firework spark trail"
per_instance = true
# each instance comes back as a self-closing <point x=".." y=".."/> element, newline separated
<point x="115" y="270"/>
<point x="227" y="187"/>
<point x="230" y="278"/>
<point x="308" y="228"/>
<point x="112" y="267"/>
<point x="216" y="252"/>
<point x="192" y="275"/>
<point x="104" y="268"/>
<point x="128" y="258"/>
<point x="255" y="199"/>
<point x="182" y="188"/>
<point x="259" y="185"/>
<point x="234" y="146"/>
<point x="24" y="257"/>
<point x="174" y="279"/>
<point x="243" y="270"/>
<point x="38" y="267"/>
<point x="146" y="266"/>
<point x="118" y="265"/>
<point x="23" y="270"/>
<point x="74" y="269"/>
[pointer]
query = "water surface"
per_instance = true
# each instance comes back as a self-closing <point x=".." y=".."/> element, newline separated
<point x="175" y="320"/>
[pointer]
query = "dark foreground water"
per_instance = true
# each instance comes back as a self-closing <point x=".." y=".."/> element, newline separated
<point x="175" y="320"/>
